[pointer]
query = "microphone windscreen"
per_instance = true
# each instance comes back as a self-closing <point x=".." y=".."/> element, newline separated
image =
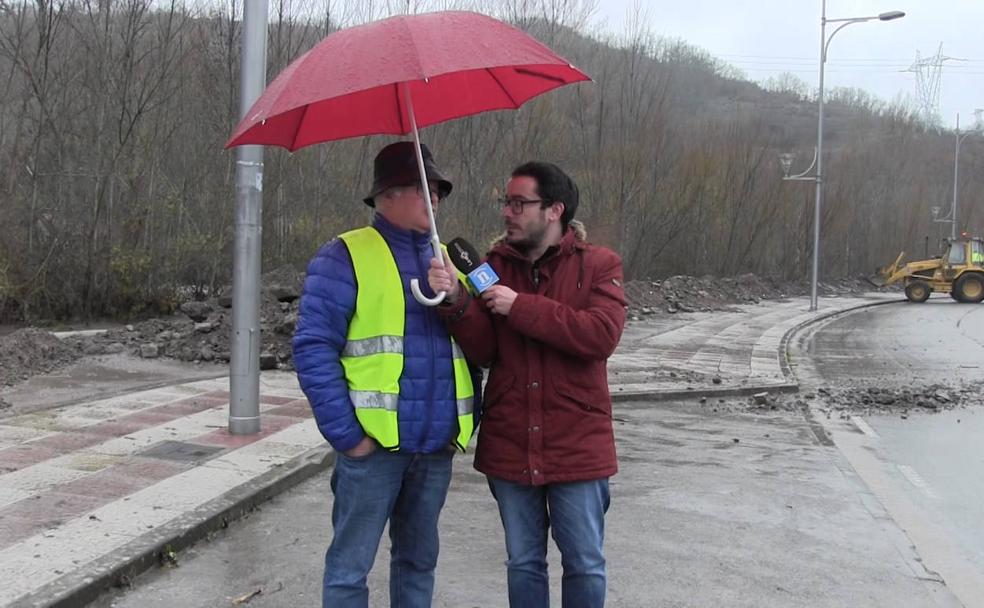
<point x="463" y="255"/>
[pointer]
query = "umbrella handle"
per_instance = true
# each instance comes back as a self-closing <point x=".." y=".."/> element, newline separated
<point x="420" y="297"/>
<point x="415" y="284"/>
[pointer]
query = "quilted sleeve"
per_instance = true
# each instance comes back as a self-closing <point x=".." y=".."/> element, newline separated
<point x="327" y="305"/>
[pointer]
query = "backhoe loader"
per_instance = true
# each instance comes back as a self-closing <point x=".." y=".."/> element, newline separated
<point x="958" y="271"/>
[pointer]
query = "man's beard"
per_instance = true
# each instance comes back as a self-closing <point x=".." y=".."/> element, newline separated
<point x="533" y="238"/>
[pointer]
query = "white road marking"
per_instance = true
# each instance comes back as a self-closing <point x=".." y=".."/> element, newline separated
<point x="864" y="427"/>
<point x="916" y="479"/>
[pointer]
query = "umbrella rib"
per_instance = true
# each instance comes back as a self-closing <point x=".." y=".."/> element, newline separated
<point x="504" y="89"/>
<point x="293" y="144"/>
<point x="400" y="107"/>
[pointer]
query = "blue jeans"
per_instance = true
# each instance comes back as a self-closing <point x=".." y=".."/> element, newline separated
<point x="408" y="490"/>
<point x="575" y="515"/>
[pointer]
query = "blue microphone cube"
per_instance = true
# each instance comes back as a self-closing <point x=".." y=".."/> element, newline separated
<point x="483" y="277"/>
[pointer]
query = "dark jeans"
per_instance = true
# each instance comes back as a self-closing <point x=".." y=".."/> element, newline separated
<point x="575" y="515"/>
<point x="408" y="490"/>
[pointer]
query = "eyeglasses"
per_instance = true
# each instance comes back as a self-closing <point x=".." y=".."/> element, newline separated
<point x="517" y="205"/>
<point x="435" y="194"/>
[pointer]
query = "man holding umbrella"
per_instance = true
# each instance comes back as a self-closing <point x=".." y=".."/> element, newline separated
<point x="546" y="330"/>
<point x="389" y="388"/>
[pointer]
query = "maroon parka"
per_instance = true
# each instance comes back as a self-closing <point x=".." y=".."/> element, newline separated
<point x="547" y="413"/>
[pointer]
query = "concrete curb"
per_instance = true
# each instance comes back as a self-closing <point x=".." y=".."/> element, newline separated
<point x="697" y="393"/>
<point x="784" y="365"/>
<point x="790" y="386"/>
<point x="120" y="567"/>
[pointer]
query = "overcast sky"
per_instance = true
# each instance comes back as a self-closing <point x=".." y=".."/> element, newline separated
<point x="764" y="38"/>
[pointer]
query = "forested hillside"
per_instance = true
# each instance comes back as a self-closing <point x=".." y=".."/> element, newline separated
<point x="116" y="196"/>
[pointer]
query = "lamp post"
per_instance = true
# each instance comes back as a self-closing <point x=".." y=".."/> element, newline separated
<point x="956" y="169"/>
<point x="951" y="217"/>
<point x="818" y="159"/>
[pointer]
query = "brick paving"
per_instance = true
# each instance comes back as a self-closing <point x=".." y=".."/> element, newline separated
<point x="81" y="481"/>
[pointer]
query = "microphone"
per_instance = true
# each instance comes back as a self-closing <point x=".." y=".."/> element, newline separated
<point x="465" y="258"/>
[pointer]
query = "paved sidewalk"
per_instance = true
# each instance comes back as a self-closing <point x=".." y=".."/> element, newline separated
<point x="88" y="490"/>
<point x="94" y="492"/>
<point x="744" y="349"/>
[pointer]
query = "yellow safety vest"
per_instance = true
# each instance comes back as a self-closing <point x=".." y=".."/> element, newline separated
<point x="373" y="353"/>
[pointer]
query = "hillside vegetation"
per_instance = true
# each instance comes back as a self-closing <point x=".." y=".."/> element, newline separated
<point x="117" y="198"/>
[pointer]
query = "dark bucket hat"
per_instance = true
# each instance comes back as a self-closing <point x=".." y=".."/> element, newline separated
<point x="396" y="165"/>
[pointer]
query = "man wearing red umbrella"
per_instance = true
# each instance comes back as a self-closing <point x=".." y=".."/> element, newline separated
<point x="546" y="330"/>
<point x="389" y="388"/>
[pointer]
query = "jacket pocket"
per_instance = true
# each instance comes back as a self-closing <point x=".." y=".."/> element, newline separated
<point x="591" y="398"/>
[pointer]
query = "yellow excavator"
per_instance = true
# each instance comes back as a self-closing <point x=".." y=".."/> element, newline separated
<point x="958" y="271"/>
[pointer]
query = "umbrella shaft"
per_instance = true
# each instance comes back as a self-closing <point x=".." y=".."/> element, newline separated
<point x="424" y="188"/>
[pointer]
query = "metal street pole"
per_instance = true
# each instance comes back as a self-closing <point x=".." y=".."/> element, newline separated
<point x="815" y="274"/>
<point x="956" y="168"/>
<point x="244" y="364"/>
<point x="824" y="43"/>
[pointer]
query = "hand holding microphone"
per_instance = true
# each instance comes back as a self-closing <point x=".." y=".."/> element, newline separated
<point x="465" y="258"/>
<point x="499" y="299"/>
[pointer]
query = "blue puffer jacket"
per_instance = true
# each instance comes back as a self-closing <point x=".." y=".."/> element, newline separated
<point x="426" y="409"/>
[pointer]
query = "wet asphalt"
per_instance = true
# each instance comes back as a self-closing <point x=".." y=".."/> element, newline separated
<point x="710" y="508"/>
<point x="926" y="468"/>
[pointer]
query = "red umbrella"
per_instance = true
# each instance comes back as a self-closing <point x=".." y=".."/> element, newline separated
<point x="398" y="74"/>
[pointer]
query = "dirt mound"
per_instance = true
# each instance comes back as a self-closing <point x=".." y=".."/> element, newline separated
<point x="30" y="351"/>
<point x="692" y="294"/>
<point x="203" y="330"/>
<point x="702" y="294"/>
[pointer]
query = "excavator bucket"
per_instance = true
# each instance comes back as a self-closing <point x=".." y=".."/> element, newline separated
<point x="877" y="279"/>
<point x="884" y="276"/>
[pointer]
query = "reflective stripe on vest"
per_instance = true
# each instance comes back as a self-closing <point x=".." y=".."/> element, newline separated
<point x="373" y="354"/>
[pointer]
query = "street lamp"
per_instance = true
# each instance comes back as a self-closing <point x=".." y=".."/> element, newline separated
<point x="956" y="168"/>
<point x="818" y="157"/>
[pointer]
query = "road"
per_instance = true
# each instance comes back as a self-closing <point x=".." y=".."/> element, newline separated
<point x="925" y="468"/>
<point x="712" y="506"/>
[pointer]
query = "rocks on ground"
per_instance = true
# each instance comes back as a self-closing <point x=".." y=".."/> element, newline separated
<point x="701" y="294"/>
<point x="852" y="401"/>
<point x="201" y="330"/>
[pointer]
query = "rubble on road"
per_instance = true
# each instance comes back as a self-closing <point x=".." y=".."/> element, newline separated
<point x="864" y="401"/>
<point x="905" y="400"/>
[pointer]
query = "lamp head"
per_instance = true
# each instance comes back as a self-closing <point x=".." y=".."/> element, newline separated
<point x="936" y="211"/>
<point x="891" y="15"/>
<point x="786" y="162"/>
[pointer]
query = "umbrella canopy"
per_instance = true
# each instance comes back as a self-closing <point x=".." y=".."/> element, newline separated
<point x="356" y="81"/>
